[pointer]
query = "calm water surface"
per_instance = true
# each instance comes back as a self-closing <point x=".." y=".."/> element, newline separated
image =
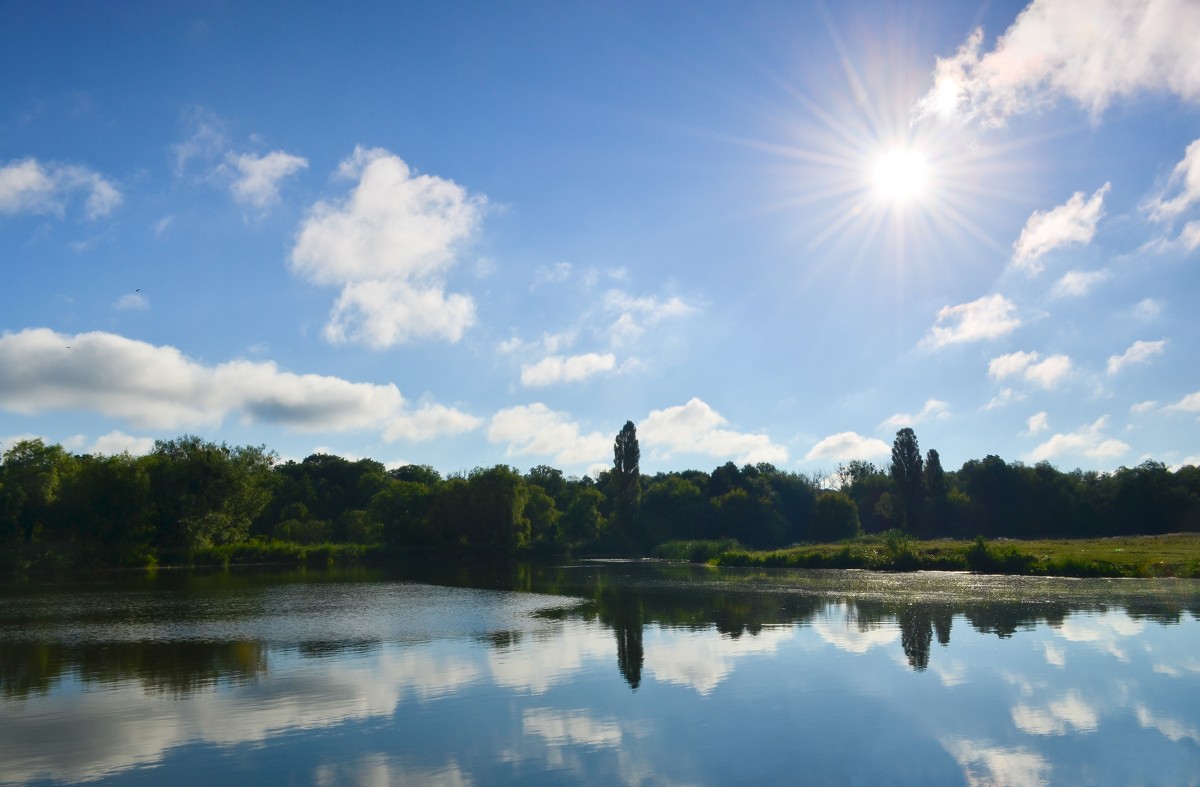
<point x="604" y="673"/>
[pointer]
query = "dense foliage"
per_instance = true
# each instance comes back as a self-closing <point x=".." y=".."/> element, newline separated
<point x="190" y="499"/>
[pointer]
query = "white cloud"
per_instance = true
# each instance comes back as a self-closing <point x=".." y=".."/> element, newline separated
<point x="117" y="442"/>
<point x="28" y="186"/>
<point x="1173" y="729"/>
<point x="536" y="429"/>
<point x="1076" y="284"/>
<point x="557" y="273"/>
<point x="384" y="313"/>
<point x="159" y="387"/>
<point x="1148" y="309"/>
<point x="133" y="301"/>
<point x="1005" y="397"/>
<point x="1189" y="236"/>
<point x="845" y="446"/>
<point x="1050" y="372"/>
<point x="206" y="139"/>
<point x="1089" y="441"/>
<point x="1038" y="423"/>
<point x="934" y="408"/>
<point x="1182" y="190"/>
<point x="1188" y="404"/>
<point x="389" y="244"/>
<point x="988" y="317"/>
<point x="1138" y="352"/>
<point x="257" y="178"/>
<point x="634" y="315"/>
<point x="1045" y="374"/>
<point x="1089" y="51"/>
<point x="1072" y="223"/>
<point x="695" y="428"/>
<point x="1010" y="364"/>
<point x="1143" y="407"/>
<point x="555" y="369"/>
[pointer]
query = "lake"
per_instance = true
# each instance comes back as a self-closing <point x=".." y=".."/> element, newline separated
<point x="598" y="673"/>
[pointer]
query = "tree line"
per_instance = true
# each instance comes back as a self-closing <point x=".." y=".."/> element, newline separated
<point x="189" y="494"/>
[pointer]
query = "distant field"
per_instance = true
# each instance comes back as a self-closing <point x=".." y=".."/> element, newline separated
<point x="1173" y="555"/>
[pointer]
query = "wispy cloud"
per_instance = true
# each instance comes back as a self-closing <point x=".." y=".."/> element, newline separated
<point x="132" y="301"/>
<point x="29" y="186"/>
<point x="988" y="317"/>
<point x="1182" y="189"/>
<point x="934" y="408"/>
<point x="1071" y="224"/>
<point x="1138" y="352"/>
<point x="1124" y="48"/>
<point x="1076" y="284"/>
<point x="388" y="244"/>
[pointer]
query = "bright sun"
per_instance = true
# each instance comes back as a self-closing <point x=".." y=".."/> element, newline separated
<point x="900" y="175"/>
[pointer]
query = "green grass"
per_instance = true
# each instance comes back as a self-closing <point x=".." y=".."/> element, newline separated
<point x="1174" y="555"/>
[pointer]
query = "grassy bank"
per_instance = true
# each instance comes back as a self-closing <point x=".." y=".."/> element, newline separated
<point x="1174" y="555"/>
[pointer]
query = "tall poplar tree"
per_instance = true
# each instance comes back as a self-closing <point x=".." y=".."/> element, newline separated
<point x="907" y="473"/>
<point x="626" y="484"/>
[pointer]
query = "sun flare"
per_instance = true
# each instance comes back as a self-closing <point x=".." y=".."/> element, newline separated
<point x="900" y="175"/>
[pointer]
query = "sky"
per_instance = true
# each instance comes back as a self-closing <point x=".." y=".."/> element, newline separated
<point x="463" y="234"/>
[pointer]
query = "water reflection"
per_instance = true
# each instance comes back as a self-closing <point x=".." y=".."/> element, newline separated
<point x="720" y="677"/>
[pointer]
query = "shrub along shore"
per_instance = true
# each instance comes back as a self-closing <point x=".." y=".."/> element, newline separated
<point x="1170" y="555"/>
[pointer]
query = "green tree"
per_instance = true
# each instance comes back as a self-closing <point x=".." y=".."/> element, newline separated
<point x="835" y="517"/>
<point x="31" y="475"/>
<point x="908" y="476"/>
<point x="206" y="494"/>
<point x="626" y="481"/>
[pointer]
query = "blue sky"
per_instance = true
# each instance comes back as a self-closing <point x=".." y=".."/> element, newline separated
<point x="469" y="233"/>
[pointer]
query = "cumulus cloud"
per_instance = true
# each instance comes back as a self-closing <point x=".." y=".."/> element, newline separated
<point x="555" y="369"/>
<point x="1071" y="224"/>
<point x="1138" y="352"/>
<point x="1069" y="713"/>
<point x="1091" y="52"/>
<point x="1089" y="441"/>
<point x="117" y="442"/>
<point x="1046" y="374"/>
<point x="159" y="387"/>
<point x="988" y="317"/>
<point x="536" y="429"/>
<point x="1005" y="397"/>
<point x="845" y="446"/>
<point x="934" y="408"/>
<point x="696" y="428"/>
<point x="29" y="186"/>
<point x="389" y="245"/>
<point x="256" y="179"/>
<point x="1076" y="284"/>
<point x="1143" y="407"/>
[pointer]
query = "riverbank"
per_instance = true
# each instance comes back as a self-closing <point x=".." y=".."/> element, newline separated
<point x="1171" y="555"/>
